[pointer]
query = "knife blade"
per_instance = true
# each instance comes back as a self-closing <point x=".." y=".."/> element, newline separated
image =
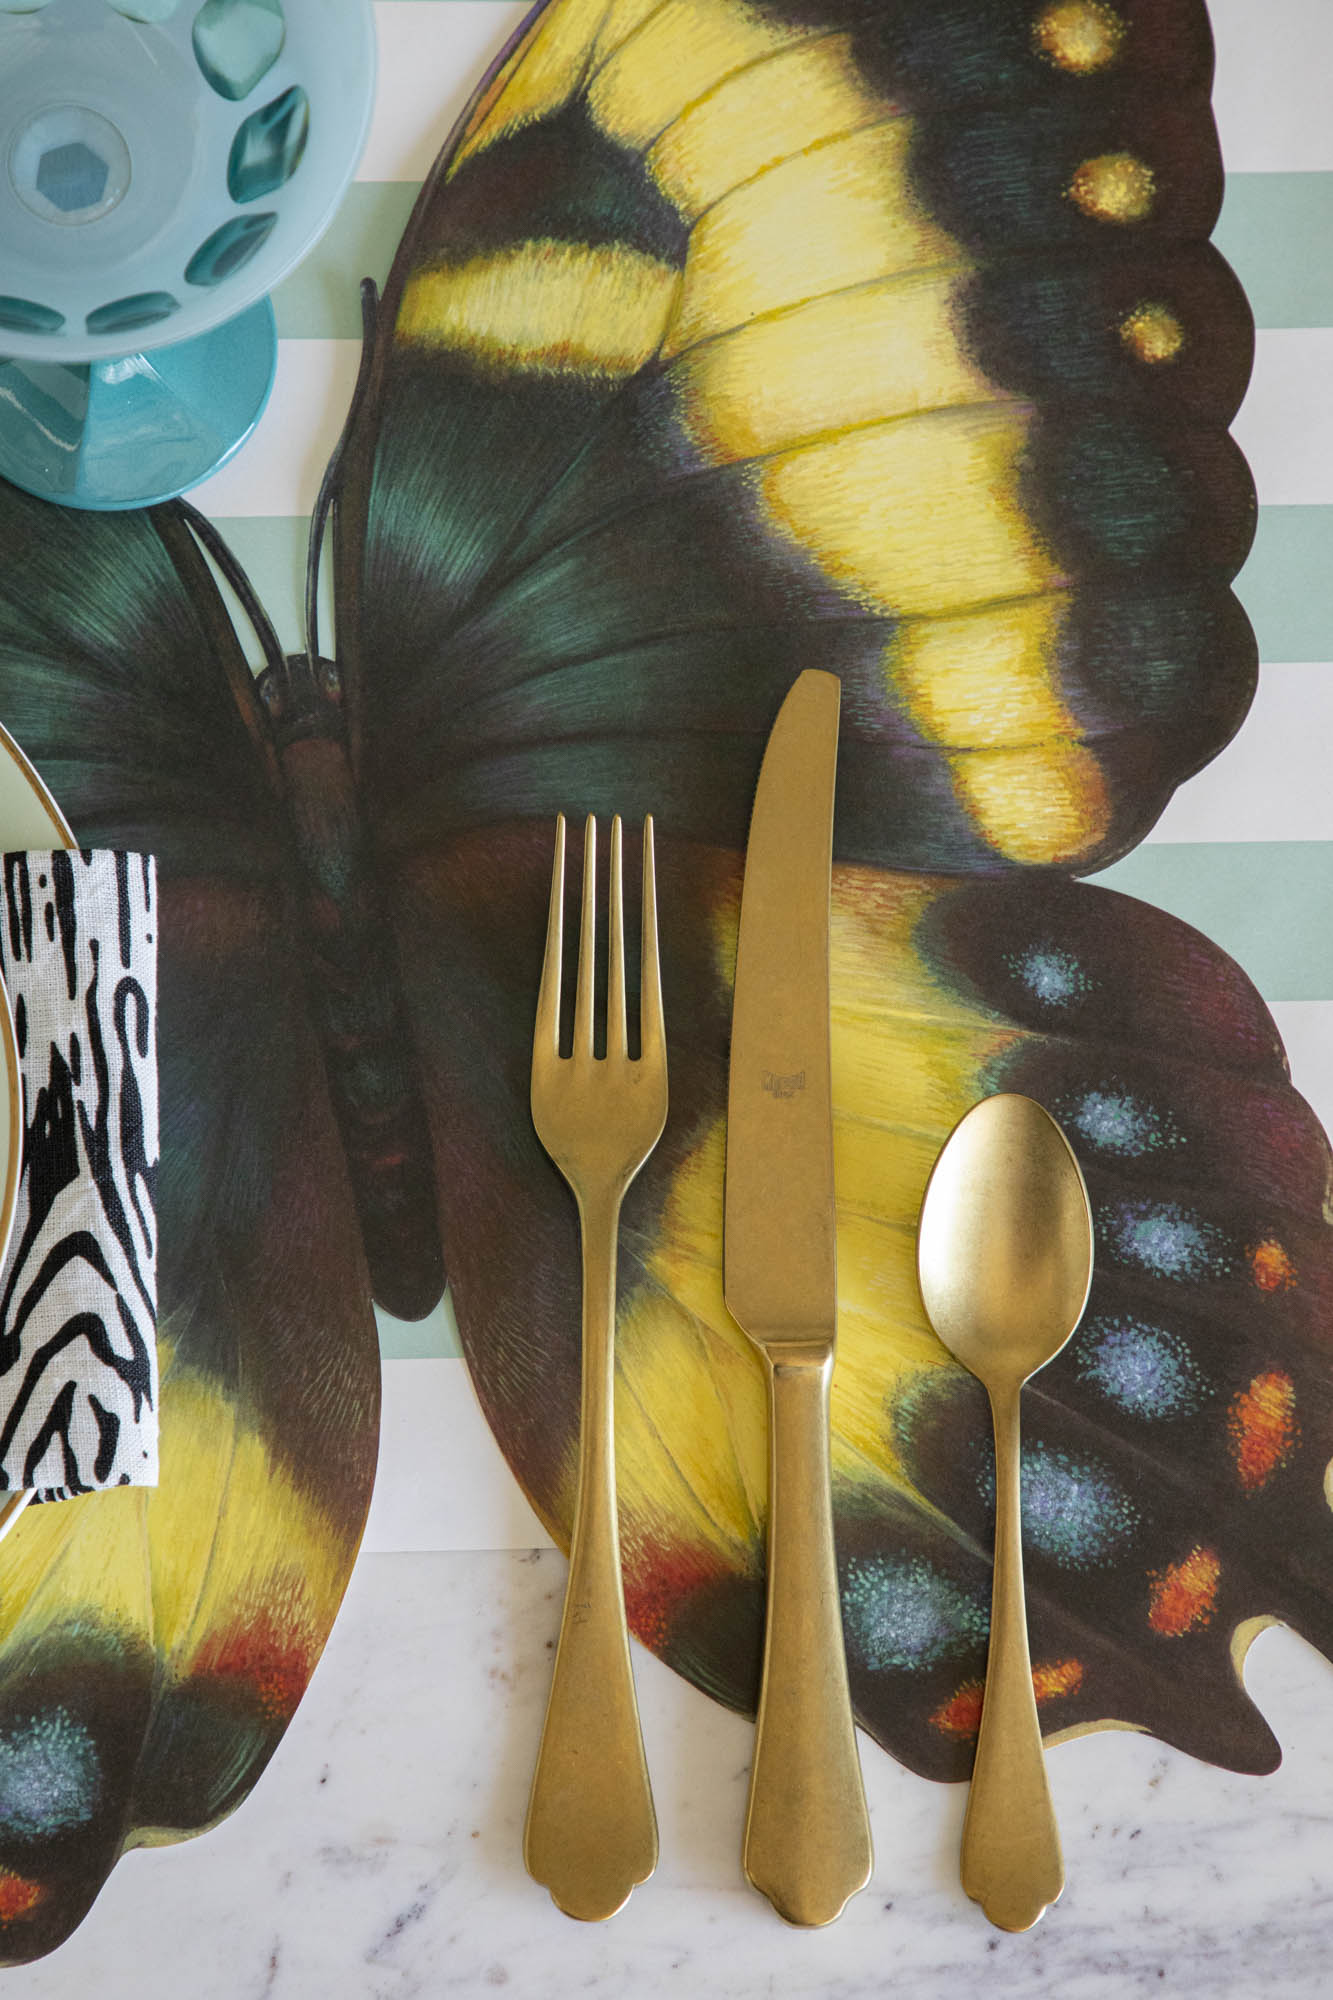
<point x="807" y="1834"/>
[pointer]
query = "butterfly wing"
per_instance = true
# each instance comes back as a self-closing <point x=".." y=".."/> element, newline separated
<point x="1174" y="1453"/>
<point x="156" y="1644"/>
<point x="730" y="339"/>
<point x="726" y="341"/>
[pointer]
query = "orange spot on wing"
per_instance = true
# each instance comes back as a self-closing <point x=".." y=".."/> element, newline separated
<point x="660" y="1581"/>
<point x="1272" y="1268"/>
<point x="1262" y="1425"/>
<point x="1184" y="1595"/>
<point x="1056" y="1678"/>
<point x="17" y="1896"/>
<point x="273" y="1663"/>
<point x="960" y="1715"/>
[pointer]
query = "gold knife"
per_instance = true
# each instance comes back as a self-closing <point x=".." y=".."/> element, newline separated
<point x="807" y="1834"/>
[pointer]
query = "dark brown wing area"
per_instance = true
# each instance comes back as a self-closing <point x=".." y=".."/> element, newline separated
<point x="155" y="1646"/>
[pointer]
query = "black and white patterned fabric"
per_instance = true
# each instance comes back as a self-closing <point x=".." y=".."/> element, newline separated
<point x="78" y="1297"/>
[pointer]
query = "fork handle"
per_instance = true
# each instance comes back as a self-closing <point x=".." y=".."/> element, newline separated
<point x="807" y="1833"/>
<point x="591" y="1832"/>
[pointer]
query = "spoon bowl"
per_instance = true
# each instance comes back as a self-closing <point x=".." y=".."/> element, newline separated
<point x="1004" y="1250"/>
<point x="1004" y="1259"/>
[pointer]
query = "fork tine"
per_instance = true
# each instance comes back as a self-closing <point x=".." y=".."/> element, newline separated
<point x="652" y="1035"/>
<point x="617" y="1035"/>
<point x="546" y="1035"/>
<point x="583" y="992"/>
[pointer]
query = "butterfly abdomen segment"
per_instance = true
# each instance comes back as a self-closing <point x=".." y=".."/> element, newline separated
<point x="353" y="994"/>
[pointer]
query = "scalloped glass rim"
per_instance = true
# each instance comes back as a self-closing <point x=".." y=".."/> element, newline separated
<point x="207" y="308"/>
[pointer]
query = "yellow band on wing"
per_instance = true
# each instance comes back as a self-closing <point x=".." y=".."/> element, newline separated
<point x="982" y="681"/>
<point x="545" y="308"/>
<point x="918" y="516"/>
<point x="228" y="1537"/>
<point x="759" y="116"/>
<point x="888" y="349"/>
<point x="539" y="77"/>
<point x="985" y="685"/>
<point x="672" y="58"/>
<point x="1043" y="806"/>
<point x="841" y="215"/>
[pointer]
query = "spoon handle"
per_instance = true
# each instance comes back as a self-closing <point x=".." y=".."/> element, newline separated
<point x="1011" y="1862"/>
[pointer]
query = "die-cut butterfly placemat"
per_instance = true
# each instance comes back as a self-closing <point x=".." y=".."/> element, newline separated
<point x="725" y="340"/>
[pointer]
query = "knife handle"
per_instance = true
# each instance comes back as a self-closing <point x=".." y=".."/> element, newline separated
<point x="807" y="1833"/>
<point x="591" y="1832"/>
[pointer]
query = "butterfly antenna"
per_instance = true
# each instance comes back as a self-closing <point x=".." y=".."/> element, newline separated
<point x="328" y="489"/>
<point x="212" y="543"/>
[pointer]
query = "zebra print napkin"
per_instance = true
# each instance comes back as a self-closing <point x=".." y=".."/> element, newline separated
<point x="78" y="1301"/>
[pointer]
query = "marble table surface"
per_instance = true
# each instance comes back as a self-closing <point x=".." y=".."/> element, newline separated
<point x="379" y="1858"/>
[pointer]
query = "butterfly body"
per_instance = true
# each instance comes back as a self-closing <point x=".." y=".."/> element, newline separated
<point x="353" y="988"/>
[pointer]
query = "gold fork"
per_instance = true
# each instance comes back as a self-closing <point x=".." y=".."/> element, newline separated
<point x="591" y="1833"/>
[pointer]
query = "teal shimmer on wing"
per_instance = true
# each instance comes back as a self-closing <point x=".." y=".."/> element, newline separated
<point x="1053" y="977"/>
<point x="49" y="1776"/>
<point x="1167" y="1240"/>
<point x="899" y="1612"/>
<point x="1074" y="1513"/>
<point x="1144" y="1370"/>
<point x="1117" y="1122"/>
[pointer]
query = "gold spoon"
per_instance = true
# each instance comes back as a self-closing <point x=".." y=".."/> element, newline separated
<point x="1004" y="1257"/>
